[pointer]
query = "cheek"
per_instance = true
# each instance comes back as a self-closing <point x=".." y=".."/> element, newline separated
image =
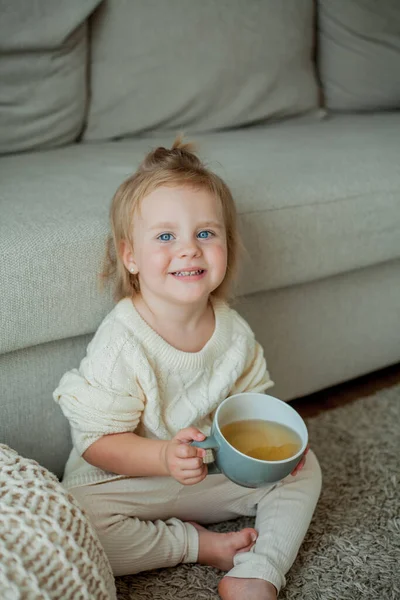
<point x="220" y="256"/>
<point x="156" y="259"/>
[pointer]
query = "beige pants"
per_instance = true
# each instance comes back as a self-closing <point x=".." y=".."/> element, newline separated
<point x="141" y="521"/>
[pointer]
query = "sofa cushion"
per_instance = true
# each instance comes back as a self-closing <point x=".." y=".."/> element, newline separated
<point x="43" y="57"/>
<point x="359" y="54"/>
<point x="198" y="65"/>
<point x="315" y="199"/>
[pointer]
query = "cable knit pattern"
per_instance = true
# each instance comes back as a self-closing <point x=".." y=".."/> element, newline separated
<point x="48" y="549"/>
<point x="133" y="380"/>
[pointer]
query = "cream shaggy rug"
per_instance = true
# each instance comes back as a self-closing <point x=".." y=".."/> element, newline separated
<point x="352" y="549"/>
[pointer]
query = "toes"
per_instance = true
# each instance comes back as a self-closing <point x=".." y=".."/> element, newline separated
<point x="245" y="539"/>
<point x="245" y="548"/>
<point x="251" y="535"/>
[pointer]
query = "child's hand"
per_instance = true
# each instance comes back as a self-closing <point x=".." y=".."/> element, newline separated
<point x="184" y="462"/>
<point x="301" y="463"/>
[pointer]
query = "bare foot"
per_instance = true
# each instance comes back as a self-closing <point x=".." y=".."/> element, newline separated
<point x="235" y="588"/>
<point x="218" y="549"/>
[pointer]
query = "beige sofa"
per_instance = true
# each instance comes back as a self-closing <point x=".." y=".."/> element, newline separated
<point x="88" y="88"/>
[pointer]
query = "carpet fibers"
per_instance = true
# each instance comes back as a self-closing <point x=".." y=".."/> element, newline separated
<point x="352" y="549"/>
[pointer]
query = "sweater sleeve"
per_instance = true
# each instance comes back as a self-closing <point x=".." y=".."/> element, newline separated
<point x="255" y="377"/>
<point x="100" y="398"/>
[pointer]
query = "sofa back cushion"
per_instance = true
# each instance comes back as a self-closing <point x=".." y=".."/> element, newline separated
<point x="43" y="72"/>
<point x="359" y="54"/>
<point x="198" y="66"/>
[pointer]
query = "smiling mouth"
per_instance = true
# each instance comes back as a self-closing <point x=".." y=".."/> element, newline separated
<point x="188" y="273"/>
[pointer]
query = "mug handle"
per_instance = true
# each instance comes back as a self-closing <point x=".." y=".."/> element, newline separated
<point x="210" y="444"/>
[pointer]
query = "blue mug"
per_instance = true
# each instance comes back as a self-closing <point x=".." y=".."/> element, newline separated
<point x="238" y="467"/>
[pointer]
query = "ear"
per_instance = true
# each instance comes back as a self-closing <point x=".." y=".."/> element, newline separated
<point x="126" y="254"/>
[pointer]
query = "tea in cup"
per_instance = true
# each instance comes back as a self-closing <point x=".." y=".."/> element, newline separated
<point x="256" y="439"/>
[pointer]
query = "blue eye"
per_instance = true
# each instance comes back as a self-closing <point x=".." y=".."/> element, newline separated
<point x="165" y="237"/>
<point x="204" y="235"/>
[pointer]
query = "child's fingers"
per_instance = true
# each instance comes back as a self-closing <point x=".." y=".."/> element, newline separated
<point x="186" y="451"/>
<point x="192" y="474"/>
<point x="299" y="466"/>
<point x="190" y="434"/>
<point x="201" y="452"/>
<point x="191" y="478"/>
<point x="190" y="464"/>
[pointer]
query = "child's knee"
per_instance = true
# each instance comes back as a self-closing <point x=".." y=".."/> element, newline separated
<point x="312" y="472"/>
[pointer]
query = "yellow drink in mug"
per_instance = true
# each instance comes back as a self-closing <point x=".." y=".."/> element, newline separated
<point x="256" y="439"/>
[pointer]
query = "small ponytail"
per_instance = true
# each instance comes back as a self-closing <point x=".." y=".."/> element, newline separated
<point x="181" y="156"/>
<point x="179" y="144"/>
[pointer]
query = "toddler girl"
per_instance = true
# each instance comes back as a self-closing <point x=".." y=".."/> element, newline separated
<point x="156" y="370"/>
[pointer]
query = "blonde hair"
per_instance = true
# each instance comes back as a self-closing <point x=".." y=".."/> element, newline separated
<point x="177" y="166"/>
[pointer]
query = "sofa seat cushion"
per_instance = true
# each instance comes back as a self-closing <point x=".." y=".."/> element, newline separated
<point x="315" y="199"/>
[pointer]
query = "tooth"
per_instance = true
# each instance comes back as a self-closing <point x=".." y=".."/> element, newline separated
<point x="187" y="273"/>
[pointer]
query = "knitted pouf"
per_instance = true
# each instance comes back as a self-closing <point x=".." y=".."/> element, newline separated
<point x="48" y="549"/>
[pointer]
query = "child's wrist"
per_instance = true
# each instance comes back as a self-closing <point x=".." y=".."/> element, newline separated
<point x="164" y="446"/>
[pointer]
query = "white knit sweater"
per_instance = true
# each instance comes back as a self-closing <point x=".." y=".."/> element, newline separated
<point x="133" y="380"/>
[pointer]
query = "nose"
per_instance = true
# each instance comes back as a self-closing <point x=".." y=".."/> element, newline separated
<point x="189" y="248"/>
